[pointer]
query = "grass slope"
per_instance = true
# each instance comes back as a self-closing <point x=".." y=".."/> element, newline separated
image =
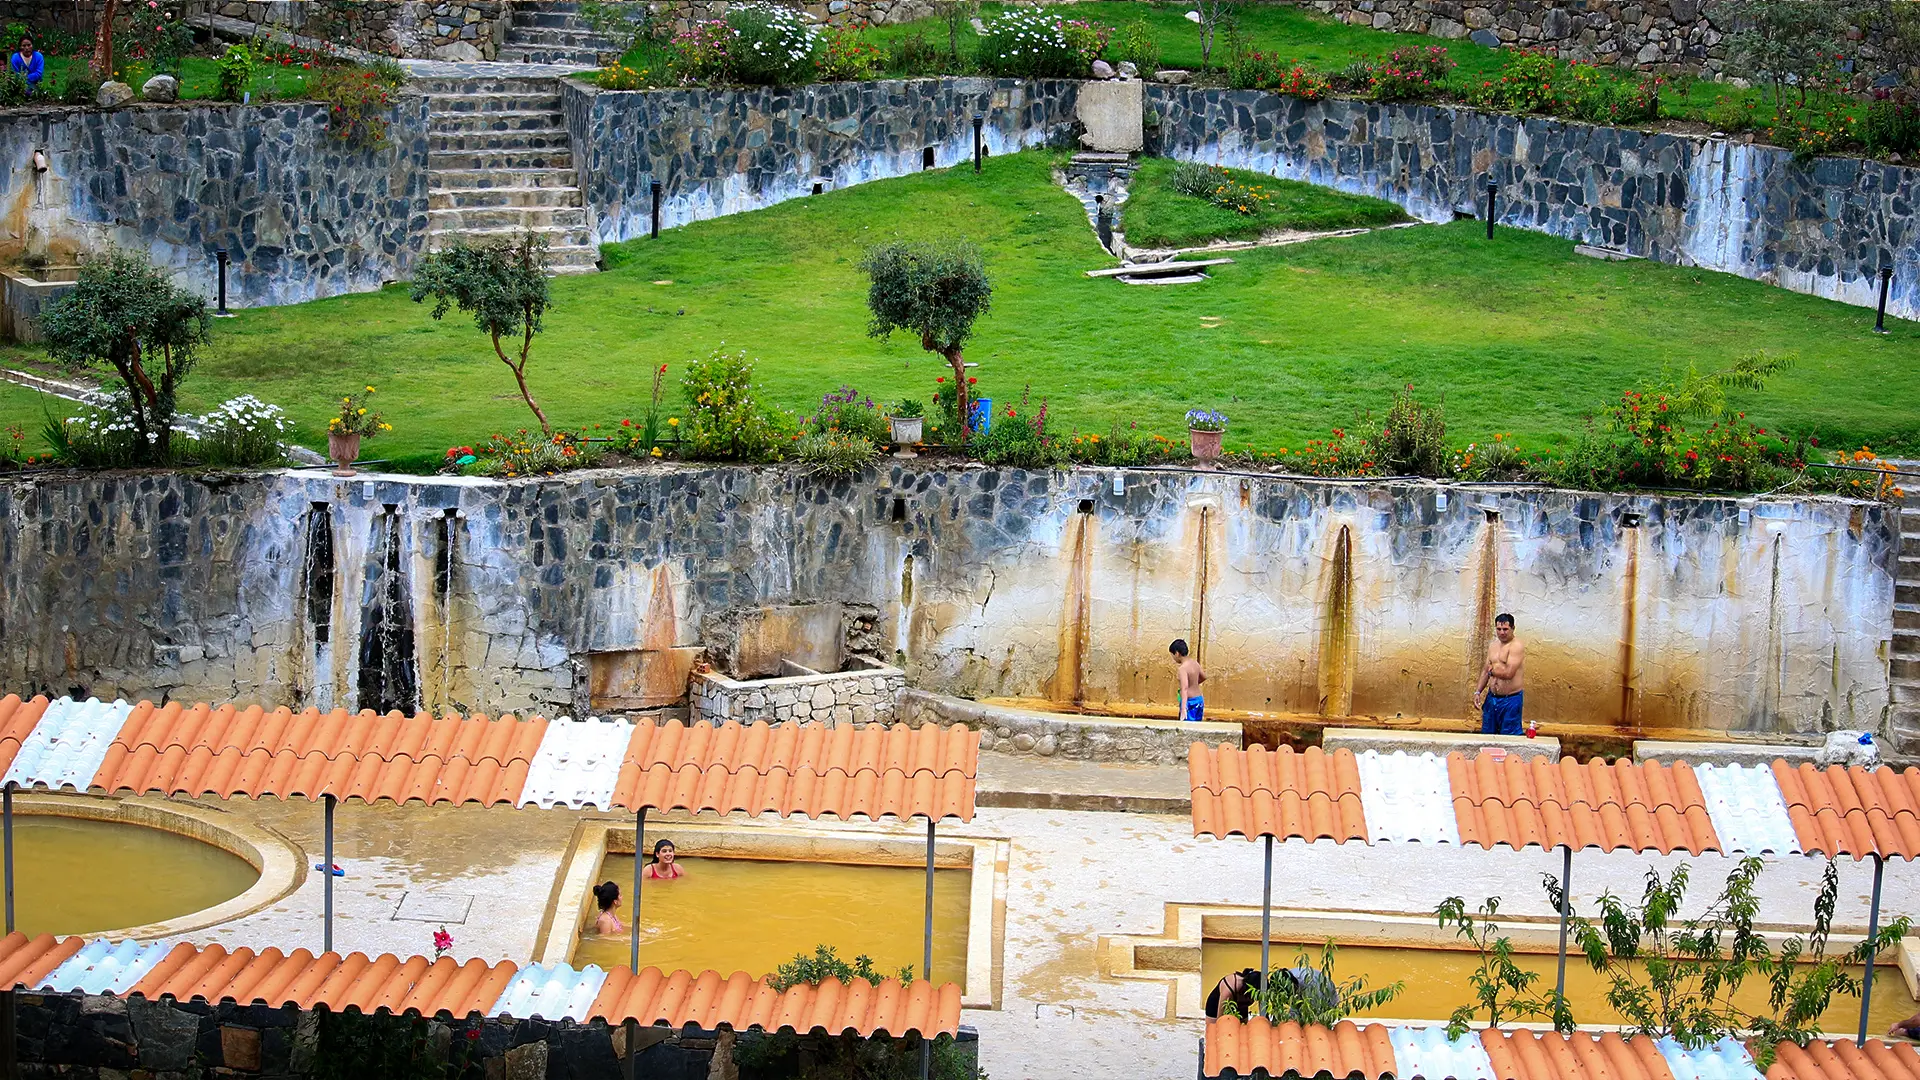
<point x="1520" y="335"/>
<point x="1155" y="215"/>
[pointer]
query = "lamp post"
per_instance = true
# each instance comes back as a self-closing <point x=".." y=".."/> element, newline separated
<point x="1886" y="284"/>
<point x="654" y="187"/>
<point x="220" y="256"/>
<point x="1493" y="192"/>
<point x="979" y="122"/>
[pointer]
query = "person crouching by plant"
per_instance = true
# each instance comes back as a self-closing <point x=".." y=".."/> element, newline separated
<point x="27" y="62"/>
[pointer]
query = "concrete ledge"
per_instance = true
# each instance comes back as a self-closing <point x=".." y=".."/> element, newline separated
<point x="1067" y="735"/>
<point x="1386" y="741"/>
<point x="1722" y="753"/>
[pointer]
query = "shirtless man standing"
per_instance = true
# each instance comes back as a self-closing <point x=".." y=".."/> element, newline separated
<point x="1192" y="705"/>
<point x="1498" y="695"/>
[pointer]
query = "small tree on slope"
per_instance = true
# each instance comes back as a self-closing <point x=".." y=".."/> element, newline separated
<point x="936" y="291"/>
<point x="504" y="286"/>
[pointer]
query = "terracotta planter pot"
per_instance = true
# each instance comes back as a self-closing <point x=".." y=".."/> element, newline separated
<point x="344" y="450"/>
<point x="907" y="430"/>
<point x="1204" y="444"/>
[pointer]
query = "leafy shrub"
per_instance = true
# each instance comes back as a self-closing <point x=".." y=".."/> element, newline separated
<point x="242" y="432"/>
<point x="1032" y="43"/>
<point x="1134" y="43"/>
<point x="622" y="22"/>
<point x="1316" y="995"/>
<point x="845" y="55"/>
<point x="1607" y="97"/>
<point x="1496" y="460"/>
<point x="388" y="72"/>
<point x="1412" y="440"/>
<point x="1017" y="438"/>
<point x="357" y="105"/>
<point x="913" y="54"/>
<point x="835" y="453"/>
<point x="1217" y="186"/>
<point x="724" y="419"/>
<point x="1891" y="125"/>
<point x="1123" y="446"/>
<point x="527" y="453"/>
<point x="772" y="45"/>
<point x="908" y="407"/>
<point x="1259" y="71"/>
<point x="79" y="87"/>
<point x="13" y="445"/>
<point x="824" y="964"/>
<point x="703" y="52"/>
<point x="846" y="412"/>
<point x="356" y="416"/>
<point x="619" y="76"/>
<point x="236" y="67"/>
<point x="1336" y="455"/>
<point x="1733" y="113"/>
<point x="1088" y="40"/>
<point x="13" y="89"/>
<point x="1409" y="74"/>
<point x="1529" y="82"/>
<point x="104" y="435"/>
<point x="157" y="35"/>
<point x="1821" y="126"/>
<point x="945" y="423"/>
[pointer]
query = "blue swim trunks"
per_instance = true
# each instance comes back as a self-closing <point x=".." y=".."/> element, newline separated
<point x="1500" y="714"/>
<point x="1196" y="706"/>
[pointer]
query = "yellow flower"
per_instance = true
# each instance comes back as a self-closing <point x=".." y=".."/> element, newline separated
<point x="656" y="452"/>
<point x="673" y="421"/>
<point x="386" y="427"/>
<point x="369" y="389"/>
<point x="363" y="412"/>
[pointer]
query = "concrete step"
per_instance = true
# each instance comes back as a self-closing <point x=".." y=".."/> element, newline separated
<point x="1906" y="592"/>
<point x="566" y="219"/>
<point x="455" y="161"/>
<point x="515" y="54"/>
<point x="1906" y="616"/>
<point x="504" y="197"/>
<point x="492" y="103"/>
<point x="544" y="140"/>
<point x="493" y="179"/>
<point x="1028" y="781"/>
<point x="507" y="120"/>
<point x="1905" y="690"/>
<point x="1906" y="642"/>
<point x="570" y="36"/>
<point x="1905" y="667"/>
<point x="1909" y="543"/>
<point x="485" y="84"/>
<point x="574" y="259"/>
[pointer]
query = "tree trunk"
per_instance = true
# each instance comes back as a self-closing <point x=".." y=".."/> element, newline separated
<point x="102" y="63"/>
<point x="962" y="398"/>
<point x="519" y="376"/>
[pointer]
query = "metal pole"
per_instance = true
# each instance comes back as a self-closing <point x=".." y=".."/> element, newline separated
<point x="926" y="953"/>
<point x="1886" y="282"/>
<point x="1266" y="922"/>
<point x="979" y="119"/>
<point x="1873" y="932"/>
<point x="1566" y="908"/>
<point x="326" y="875"/>
<point x="1493" y="190"/>
<point x="655" y="188"/>
<point x="6" y="810"/>
<point x="639" y="861"/>
<point x="222" y="257"/>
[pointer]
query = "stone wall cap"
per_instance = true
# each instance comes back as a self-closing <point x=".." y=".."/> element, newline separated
<point x="1389" y="740"/>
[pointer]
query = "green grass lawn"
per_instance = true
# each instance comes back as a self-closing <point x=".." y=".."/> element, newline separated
<point x="1155" y="215"/>
<point x="199" y="77"/>
<point x="1518" y="335"/>
<point x="23" y="412"/>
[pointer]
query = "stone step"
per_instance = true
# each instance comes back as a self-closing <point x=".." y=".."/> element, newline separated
<point x="535" y="17"/>
<point x="1909" y="542"/>
<point x="485" y="84"/>
<point x="452" y="123"/>
<point x="1906" y="642"/>
<point x="500" y="142"/>
<point x="507" y="218"/>
<point x="574" y="259"/>
<point x="1905" y="667"/>
<point x="509" y="160"/>
<point x="514" y="54"/>
<point x="570" y="36"/>
<point x="1906" y="592"/>
<point x="1906" y="616"/>
<point x="504" y="197"/>
<point x="564" y="247"/>
<point x="548" y="102"/>
<point x="499" y="178"/>
<point x="1905" y="690"/>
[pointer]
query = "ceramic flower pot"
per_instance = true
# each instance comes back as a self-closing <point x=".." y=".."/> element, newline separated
<point x="344" y="450"/>
<point x="1204" y="444"/>
<point x="907" y="430"/>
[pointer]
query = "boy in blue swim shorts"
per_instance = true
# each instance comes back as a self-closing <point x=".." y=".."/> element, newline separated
<point x="1193" y="707"/>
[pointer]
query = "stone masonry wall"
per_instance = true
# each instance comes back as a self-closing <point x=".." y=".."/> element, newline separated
<point x="1823" y="228"/>
<point x="1312" y="598"/>
<point x="301" y="216"/>
<point x="726" y="151"/>
<point x="422" y="29"/>
<point x="834" y="12"/>
<point x="857" y="696"/>
<point x="1653" y="35"/>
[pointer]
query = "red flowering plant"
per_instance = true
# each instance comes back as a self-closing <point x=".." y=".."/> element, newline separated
<point x="645" y="438"/>
<point x="357" y="104"/>
<point x="1409" y="74"/>
<point x="442" y="941"/>
<point x="1264" y="71"/>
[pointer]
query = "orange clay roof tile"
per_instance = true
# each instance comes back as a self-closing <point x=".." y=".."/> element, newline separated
<point x="1842" y="1060"/>
<point x="1852" y="811"/>
<point x="1503" y="799"/>
<point x="17" y="718"/>
<point x="1256" y="792"/>
<point x="709" y="1000"/>
<point x="1238" y="1048"/>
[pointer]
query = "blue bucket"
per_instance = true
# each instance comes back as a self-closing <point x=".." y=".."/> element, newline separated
<point x="980" y="416"/>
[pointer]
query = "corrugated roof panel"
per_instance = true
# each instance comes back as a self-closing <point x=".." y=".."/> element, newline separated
<point x="65" y="748"/>
<point x="107" y="967"/>
<point x="1407" y="797"/>
<point x="551" y="992"/>
<point x="1427" y="1053"/>
<point x="1724" y="1060"/>
<point x="1239" y="1048"/>
<point x="578" y="763"/>
<point x="1747" y="809"/>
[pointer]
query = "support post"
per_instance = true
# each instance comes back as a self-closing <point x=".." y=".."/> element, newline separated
<point x="1873" y="931"/>
<point x="6" y="794"/>
<point x="1886" y="283"/>
<point x="654" y="231"/>
<point x="1266" y="921"/>
<point x="221" y="312"/>
<point x="326" y="877"/>
<point x="1493" y="192"/>
<point x="1566" y="909"/>
<point x="633" y="917"/>
<point x="979" y="122"/>
<point x="926" y="953"/>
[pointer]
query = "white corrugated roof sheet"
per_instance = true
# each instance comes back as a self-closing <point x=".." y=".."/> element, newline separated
<point x="1407" y="797"/>
<point x="1747" y="809"/>
<point x="107" y="967"/>
<point x="551" y="992"/>
<point x="578" y="763"/>
<point x="66" y="748"/>
<point x="1427" y="1053"/>
<point x="1725" y="1060"/>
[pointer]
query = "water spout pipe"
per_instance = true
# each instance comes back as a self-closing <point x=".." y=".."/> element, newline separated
<point x="1873" y="934"/>
<point x="326" y="878"/>
<point x="1566" y="908"/>
<point x="1266" y="924"/>
<point x="1880" y="317"/>
<point x="39" y="161"/>
<point x="926" y="952"/>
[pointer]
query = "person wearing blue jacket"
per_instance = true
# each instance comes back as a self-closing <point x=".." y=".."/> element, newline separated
<point x="29" y="62"/>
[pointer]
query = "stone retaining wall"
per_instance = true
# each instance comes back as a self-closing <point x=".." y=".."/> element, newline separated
<point x="1653" y="35"/>
<point x="1346" y="599"/>
<point x="422" y="29"/>
<point x="866" y="693"/>
<point x="1822" y="228"/>
<point x="722" y="152"/>
<point x="301" y="216"/>
<point x="1075" y="737"/>
<point x="834" y="12"/>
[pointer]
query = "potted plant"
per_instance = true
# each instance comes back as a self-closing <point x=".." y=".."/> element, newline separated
<point x="1204" y="430"/>
<point x="908" y="419"/>
<point x="355" y="421"/>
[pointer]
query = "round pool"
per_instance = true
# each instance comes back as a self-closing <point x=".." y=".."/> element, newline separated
<point x="79" y="875"/>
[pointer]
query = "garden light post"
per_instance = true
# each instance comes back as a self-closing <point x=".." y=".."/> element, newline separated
<point x="1104" y="225"/>
<point x="1886" y="283"/>
<point x="1493" y="192"/>
<point x="326" y="878"/>
<point x="1873" y="932"/>
<point x="222" y="258"/>
<point x="654" y="187"/>
<point x="979" y="120"/>
<point x="1566" y="909"/>
<point x="1266" y="923"/>
<point x="926" y="953"/>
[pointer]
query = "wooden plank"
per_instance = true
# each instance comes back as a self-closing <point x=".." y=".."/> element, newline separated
<point x="1149" y="269"/>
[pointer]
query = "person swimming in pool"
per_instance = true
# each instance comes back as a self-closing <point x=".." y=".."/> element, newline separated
<point x="663" y="868"/>
<point x="1192" y="705"/>
<point x="607" y="896"/>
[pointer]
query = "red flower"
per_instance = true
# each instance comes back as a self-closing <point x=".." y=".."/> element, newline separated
<point x="942" y="378"/>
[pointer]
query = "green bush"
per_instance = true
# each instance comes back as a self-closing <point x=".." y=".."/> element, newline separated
<point x="845" y="55"/>
<point x="1409" y="74"/>
<point x="104" y="436"/>
<point x="913" y="54"/>
<point x="236" y="67"/>
<point x="835" y="453"/>
<point x="1733" y="113"/>
<point x="1411" y="441"/>
<point x="772" y="45"/>
<point x="79" y="87"/>
<point x="13" y="89"/>
<point x="1017" y="438"/>
<point x="724" y="419"/>
<point x="846" y="412"/>
<point x="1529" y="82"/>
<point x="357" y="106"/>
<point x="824" y="964"/>
<point x="1891" y="125"/>
<point x="1134" y="43"/>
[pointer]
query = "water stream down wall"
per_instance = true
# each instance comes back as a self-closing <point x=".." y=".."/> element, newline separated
<point x="593" y="591"/>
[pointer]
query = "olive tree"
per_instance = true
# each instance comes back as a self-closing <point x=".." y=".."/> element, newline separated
<point x="503" y="285"/>
<point x="1785" y="43"/>
<point x="934" y="290"/>
<point x="124" y="313"/>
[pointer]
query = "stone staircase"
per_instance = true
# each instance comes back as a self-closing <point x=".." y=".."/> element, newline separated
<point x="499" y="161"/>
<point x="1906" y="620"/>
<point x="545" y="32"/>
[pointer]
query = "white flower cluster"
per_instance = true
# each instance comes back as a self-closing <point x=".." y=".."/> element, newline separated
<point x="1026" y="32"/>
<point x="248" y="415"/>
<point x="108" y="419"/>
<point x="789" y="31"/>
